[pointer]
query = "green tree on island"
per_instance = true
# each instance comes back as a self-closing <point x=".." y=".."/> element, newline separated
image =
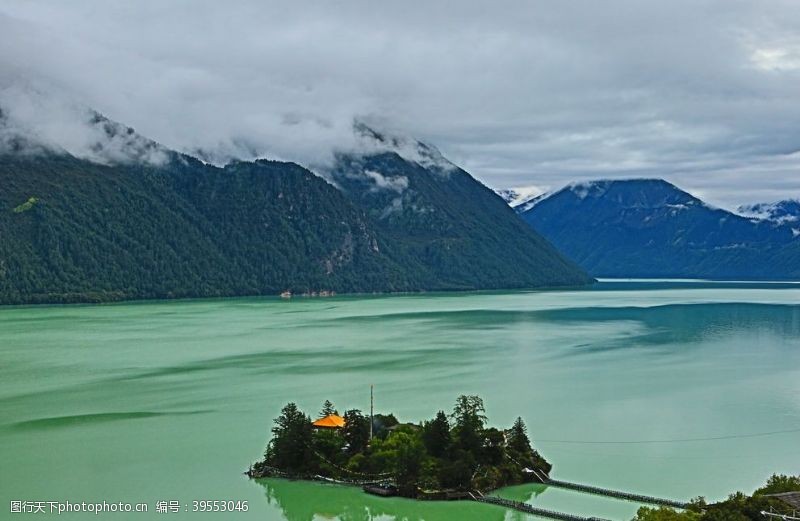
<point x="436" y="435"/>
<point x="408" y="462"/>
<point x="327" y="409"/>
<point x="459" y="452"/>
<point x="518" y="440"/>
<point x="290" y="449"/>
<point x="469" y="416"/>
<point x="355" y="431"/>
<point x="519" y="446"/>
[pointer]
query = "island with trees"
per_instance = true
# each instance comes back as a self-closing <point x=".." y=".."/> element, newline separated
<point x="440" y="458"/>
<point x="458" y="456"/>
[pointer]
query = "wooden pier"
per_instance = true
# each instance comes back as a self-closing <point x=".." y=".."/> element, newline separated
<point x="600" y="491"/>
<point x="530" y="509"/>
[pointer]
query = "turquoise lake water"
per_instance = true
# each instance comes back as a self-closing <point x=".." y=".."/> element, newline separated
<point x="674" y="389"/>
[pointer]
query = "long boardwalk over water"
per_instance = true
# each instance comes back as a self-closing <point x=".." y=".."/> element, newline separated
<point x="589" y="489"/>
<point x="530" y="509"/>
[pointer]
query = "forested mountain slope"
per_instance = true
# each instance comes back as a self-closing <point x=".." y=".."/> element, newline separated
<point x="75" y="230"/>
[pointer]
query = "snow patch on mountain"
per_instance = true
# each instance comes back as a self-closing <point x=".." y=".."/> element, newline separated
<point x="639" y="192"/>
<point x="584" y="189"/>
<point x="780" y="212"/>
<point x="678" y="206"/>
<point x="581" y="189"/>
<point x="520" y="195"/>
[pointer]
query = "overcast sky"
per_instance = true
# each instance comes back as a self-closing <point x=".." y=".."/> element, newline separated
<point x="704" y="94"/>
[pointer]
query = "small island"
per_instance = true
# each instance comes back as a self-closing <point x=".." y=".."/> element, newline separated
<point x="458" y="456"/>
<point x="446" y="457"/>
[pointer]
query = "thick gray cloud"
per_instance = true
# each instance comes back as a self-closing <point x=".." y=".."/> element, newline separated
<point x="704" y="94"/>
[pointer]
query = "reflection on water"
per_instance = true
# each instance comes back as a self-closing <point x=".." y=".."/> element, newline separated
<point x="671" y="323"/>
<point x="690" y="323"/>
<point x="307" y="501"/>
<point x="303" y="501"/>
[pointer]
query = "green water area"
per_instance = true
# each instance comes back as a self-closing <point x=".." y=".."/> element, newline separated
<point x="668" y="388"/>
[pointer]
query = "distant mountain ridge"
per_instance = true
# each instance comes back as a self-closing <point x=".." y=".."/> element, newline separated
<point x="521" y="196"/>
<point x="142" y="222"/>
<point x="651" y="228"/>
<point x="453" y="226"/>
<point x="781" y="212"/>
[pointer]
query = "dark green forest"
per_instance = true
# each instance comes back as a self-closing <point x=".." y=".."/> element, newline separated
<point x="452" y="225"/>
<point x="76" y="231"/>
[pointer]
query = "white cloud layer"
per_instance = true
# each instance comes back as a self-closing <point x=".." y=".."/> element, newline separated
<point x="33" y="120"/>
<point x="703" y="93"/>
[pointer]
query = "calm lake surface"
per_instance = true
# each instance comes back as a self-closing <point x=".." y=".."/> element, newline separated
<point x="675" y="389"/>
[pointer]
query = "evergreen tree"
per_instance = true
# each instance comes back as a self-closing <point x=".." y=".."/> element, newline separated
<point x="469" y="416"/>
<point x="290" y="449"/>
<point x="436" y="435"/>
<point x="520" y="444"/>
<point x="355" y="431"/>
<point x="327" y="409"/>
<point x="492" y="453"/>
<point x="518" y="438"/>
<point x="469" y="409"/>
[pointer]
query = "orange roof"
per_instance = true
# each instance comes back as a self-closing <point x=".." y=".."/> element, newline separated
<point x="332" y="421"/>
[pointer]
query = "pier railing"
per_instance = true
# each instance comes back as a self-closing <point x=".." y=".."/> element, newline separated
<point x="639" y="498"/>
<point x="530" y="509"/>
<point x="590" y="489"/>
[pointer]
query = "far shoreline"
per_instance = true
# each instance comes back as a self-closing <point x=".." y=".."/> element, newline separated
<point x="599" y="281"/>
<point x="299" y="296"/>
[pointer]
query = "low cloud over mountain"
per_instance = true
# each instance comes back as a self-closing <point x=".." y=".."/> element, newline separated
<point x="516" y="93"/>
